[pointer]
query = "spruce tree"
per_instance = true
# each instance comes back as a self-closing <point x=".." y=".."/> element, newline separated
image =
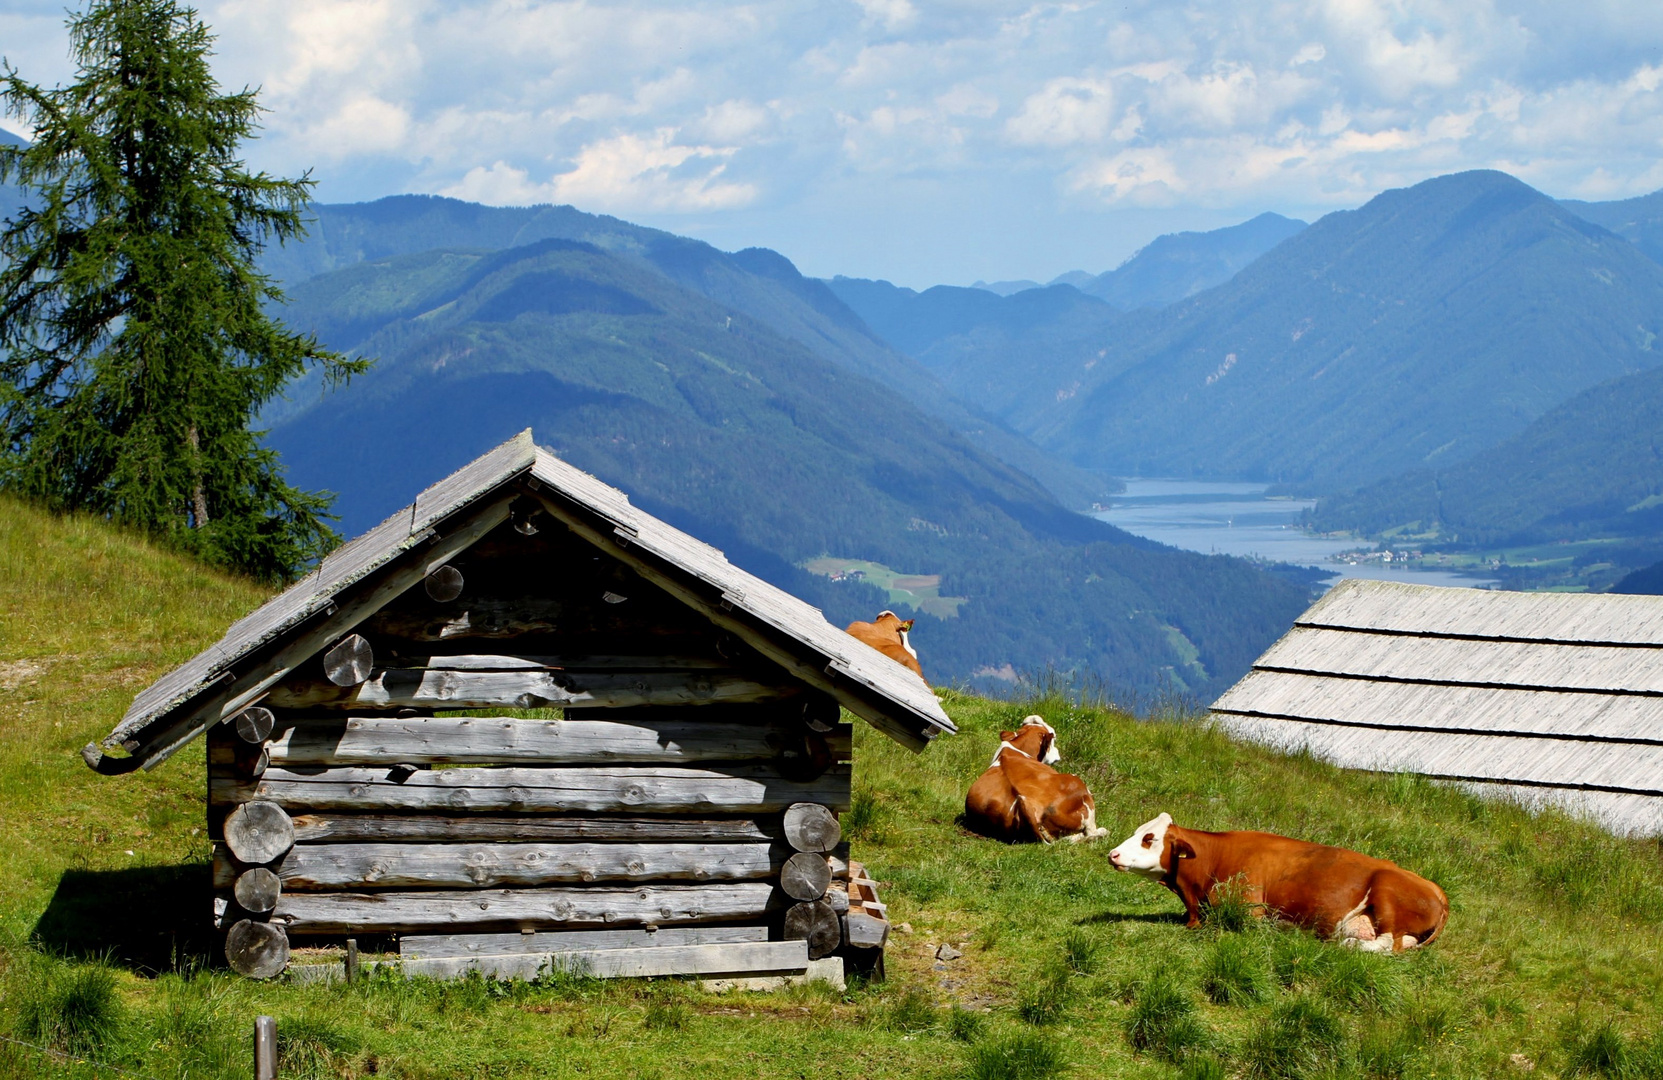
<point x="135" y="345"/>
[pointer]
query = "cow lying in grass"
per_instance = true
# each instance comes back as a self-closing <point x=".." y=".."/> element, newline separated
<point x="1361" y="901"/>
<point x="888" y="634"/>
<point x="1021" y="795"/>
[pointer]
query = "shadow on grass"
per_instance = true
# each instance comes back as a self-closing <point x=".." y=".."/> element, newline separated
<point x="149" y="919"/>
<point x="1175" y="918"/>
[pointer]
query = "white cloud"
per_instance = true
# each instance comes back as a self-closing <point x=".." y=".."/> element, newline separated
<point x="1067" y="111"/>
<point x="784" y="110"/>
<point x="620" y="174"/>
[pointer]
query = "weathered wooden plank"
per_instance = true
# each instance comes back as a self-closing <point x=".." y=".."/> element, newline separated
<point x="430" y="946"/>
<point x="735" y="789"/>
<point x="677" y="736"/>
<point x="1523" y="664"/>
<point x="419" y="688"/>
<point x="312" y="828"/>
<point x="569" y="662"/>
<point x="1399" y="607"/>
<point x="594" y="906"/>
<point x="735" y="958"/>
<point x="863" y="931"/>
<point x="501" y="618"/>
<point x="324" y="867"/>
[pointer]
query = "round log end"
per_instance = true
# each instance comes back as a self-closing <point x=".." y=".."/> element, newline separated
<point x="349" y="662"/>
<point x="257" y="890"/>
<point x="811" y="827"/>
<point x="805" y="876"/>
<point x="817" y="924"/>
<point x="259" y="950"/>
<point x="254" y="724"/>
<point x="258" y="832"/>
<point x="444" y="584"/>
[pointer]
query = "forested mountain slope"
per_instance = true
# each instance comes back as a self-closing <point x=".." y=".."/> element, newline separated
<point x="1639" y="220"/>
<point x="1176" y="266"/>
<point x="1590" y="467"/>
<point x="1428" y="325"/>
<point x="757" y="282"/>
<point x="754" y="443"/>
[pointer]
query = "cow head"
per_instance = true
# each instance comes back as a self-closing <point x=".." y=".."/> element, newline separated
<point x="890" y="621"/>
<point x="1147" y="852"/>
<point x="1050" y="755"/>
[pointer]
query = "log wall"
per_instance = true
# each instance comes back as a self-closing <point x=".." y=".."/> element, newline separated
<point x="538" y="747"/>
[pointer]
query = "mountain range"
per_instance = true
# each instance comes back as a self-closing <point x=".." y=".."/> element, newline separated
<point x="761" y="283"/>
<point x="727" y="425"/>
<point x="1427" y="326"/>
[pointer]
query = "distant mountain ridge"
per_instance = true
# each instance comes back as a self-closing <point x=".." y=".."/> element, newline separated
<point x="1591" y="467"/>
<point x="1428" y="325"/>
<point x="1177" y="266"/>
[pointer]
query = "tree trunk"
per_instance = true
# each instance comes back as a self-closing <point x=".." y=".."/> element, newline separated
<point x="199" y="498"/>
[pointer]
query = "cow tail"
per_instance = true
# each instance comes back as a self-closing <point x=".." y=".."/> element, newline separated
<point x="1443" y="917"/>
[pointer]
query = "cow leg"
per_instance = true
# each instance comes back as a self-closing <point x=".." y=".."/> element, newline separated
<point x="1034" y="815"/>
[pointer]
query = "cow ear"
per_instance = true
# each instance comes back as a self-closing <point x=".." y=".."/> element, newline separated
<point x="1180" y="847"/>
<point x="1045" y="742"/>
<point x="1006" y="736"/>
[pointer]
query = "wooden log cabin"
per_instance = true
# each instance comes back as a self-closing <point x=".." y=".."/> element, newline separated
<point x="520" y="724"/>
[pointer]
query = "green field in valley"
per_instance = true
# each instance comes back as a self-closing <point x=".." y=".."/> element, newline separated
<point x="1552" y="963"/>
<point x="921" y="592"/>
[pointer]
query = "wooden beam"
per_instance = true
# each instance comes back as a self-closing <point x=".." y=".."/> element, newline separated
<point x="311" y="828"/>
<point x="332" y="867"/>
<point x="431" y="946"/>
<point x="595" y="906"/>
<point x="568" y="662"/>
<point x="735" y="789"/>
<point x="736" y="958"/>
<point x="673" y="737"/>
<point x="420" y="688"/>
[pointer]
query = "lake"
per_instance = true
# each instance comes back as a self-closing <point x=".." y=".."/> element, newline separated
<point x="1219" y="518"/>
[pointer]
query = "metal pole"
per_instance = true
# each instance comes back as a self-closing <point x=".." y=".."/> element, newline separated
<point x="265" y="1048"/>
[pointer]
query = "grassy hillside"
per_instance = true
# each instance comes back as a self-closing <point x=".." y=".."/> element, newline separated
<point x="1591" y="469"/>
<point x="753" y="443"/>
<point x="1554" y="951"/>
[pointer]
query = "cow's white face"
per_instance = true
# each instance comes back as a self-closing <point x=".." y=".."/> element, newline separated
<point x="1051" y="755"/>
<point x="1141" y="852"/>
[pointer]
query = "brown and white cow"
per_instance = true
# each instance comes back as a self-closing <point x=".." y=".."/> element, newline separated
<point x="1021" y="795"/>
<point x="1359" y="900"/>
<point x="888" y="634"/>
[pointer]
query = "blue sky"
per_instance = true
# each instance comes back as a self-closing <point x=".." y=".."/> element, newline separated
<point x="932" y="143"/>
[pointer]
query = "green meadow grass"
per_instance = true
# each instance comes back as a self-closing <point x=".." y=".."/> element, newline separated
<point x="1554" y="951"/>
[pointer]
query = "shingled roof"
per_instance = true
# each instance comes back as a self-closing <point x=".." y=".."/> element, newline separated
<point x="364" y="575"/>
<point x="1548" y="698"/>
